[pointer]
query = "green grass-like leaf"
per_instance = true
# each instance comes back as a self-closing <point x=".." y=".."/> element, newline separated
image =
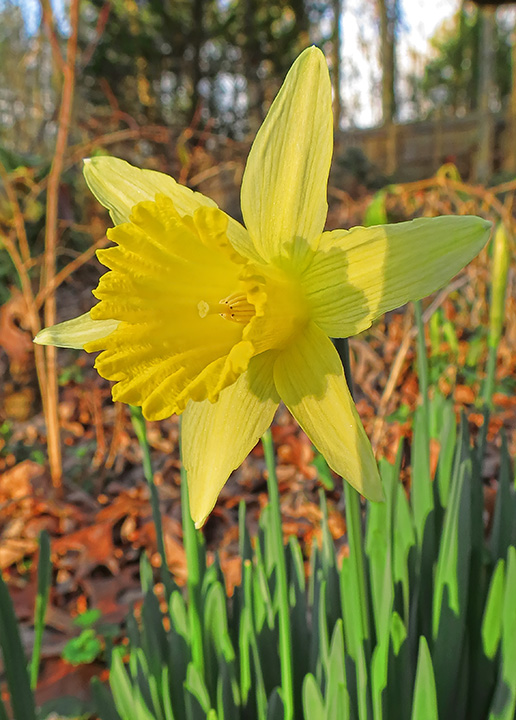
<point x="404" y="627"/>
<point x="417" y="622"/>
<point x="425" y="696"/>
<point x="15" y="662"/>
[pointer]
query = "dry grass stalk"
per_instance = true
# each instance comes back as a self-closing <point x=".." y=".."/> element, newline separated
<point x="51" y="232"/>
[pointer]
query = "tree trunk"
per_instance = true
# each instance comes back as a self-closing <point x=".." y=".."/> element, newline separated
<point x="302" y="23"/>
<point x="253" y="59"/>
<point x="388" y="11"/>
<point x="484" y="163"/>
<point x="197" y="35"/>
<point x="510" y="159"/>
<point x="335" y="62"/>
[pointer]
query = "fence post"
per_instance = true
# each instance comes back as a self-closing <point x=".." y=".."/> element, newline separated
<point x="484" y="159"/>
<point x="391" y="136"/>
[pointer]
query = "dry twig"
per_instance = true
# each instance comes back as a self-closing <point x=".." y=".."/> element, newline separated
<point x="54" y="178"/>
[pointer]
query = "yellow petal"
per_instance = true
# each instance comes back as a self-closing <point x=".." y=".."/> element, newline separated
<point x="360" y="274"/>
<point x="118" y="186"/>
<point x="76" y="333"/>
<point x="217" y="437"/>
<point x="166" y="350"/>
<point x="310" y="380"/>
<point x="280" y="308"/>
<point x="284" y="185"/>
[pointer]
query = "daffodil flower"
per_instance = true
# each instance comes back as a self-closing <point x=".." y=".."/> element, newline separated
<point x="202" y="316"/>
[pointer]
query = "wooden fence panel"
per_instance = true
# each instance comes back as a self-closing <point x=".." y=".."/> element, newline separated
<point x="414" y="151"/>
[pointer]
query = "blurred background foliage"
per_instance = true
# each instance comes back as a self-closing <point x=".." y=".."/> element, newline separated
<point x="220" y="62"/>
<point x="181" y="86"/>
<point x="452" y="77"/>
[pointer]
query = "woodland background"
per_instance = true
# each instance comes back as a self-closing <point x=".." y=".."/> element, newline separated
<point x="181" y="86"/>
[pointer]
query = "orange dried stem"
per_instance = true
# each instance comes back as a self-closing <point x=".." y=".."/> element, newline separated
<point x="65" y="112"/>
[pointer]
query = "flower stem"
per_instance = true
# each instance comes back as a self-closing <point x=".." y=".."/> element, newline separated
<point x="489" y="383"/>
<point x="422" y="360"/>
<point x="356" y="556"/>
<point x="44" y="580"/>
<point x="354" y="521"/>
<point x="285" y="640"/>
<point x="499" y="275"/>
<point x="140" y="429"/>
<point x="192" y="539"/>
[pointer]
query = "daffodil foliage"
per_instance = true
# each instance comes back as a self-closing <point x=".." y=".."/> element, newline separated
<point x="203" y="316"/>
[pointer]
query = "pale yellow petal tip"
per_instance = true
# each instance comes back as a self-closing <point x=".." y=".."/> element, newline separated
<point x="91" y="166"/>
<point x="44" y="337"/>
<point x="369" y="488"/>
<point x="200" y="515"/>
<point x="201" y="503"/>
<point x="311" y="59"/>
<point x="76" y="333"/>
<point x="87" y="167"/>
<point x="314" y="52"/>
<point x="376" y="494"/>
<point x="199" y="523"/>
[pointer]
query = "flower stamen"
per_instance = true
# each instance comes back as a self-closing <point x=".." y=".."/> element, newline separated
<point x="235" y="307"/>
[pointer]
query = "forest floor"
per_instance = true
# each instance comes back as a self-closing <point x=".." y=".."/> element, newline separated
<point x="100" y="521"/>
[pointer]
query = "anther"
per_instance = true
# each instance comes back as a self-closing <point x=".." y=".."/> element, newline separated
<point x="235" y="308"/>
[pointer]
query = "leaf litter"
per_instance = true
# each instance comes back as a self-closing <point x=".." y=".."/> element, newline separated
<point x="101" y="522"/>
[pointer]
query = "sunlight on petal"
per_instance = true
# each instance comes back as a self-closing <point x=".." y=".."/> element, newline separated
<point x="362" y="273"/>
<point x="217" y="437"/>
<point x="283" y="193"/>
<point x="310" y="381"/>
<point x="201" y="315"/>
<point x="77" y="332"/>
<point x="119" y="186"/>
<point x="165" y="351"/>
